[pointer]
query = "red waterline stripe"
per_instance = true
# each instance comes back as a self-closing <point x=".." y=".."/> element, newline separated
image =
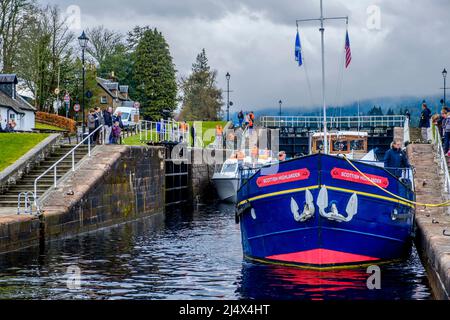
<point x="322" y="257"/>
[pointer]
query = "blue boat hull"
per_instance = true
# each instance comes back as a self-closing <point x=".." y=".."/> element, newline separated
<point x="271" y="204"/>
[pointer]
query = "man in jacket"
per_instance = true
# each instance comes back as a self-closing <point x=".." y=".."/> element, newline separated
<point x="424" y="123"/>
<point x="108" y="118"/>
<point x="396" y="160"/>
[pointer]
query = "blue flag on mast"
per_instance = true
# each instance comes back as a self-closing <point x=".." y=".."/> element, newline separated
<point x="298" y="50"/>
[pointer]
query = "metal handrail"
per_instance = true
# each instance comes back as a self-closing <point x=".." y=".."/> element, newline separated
<point x="28" y="205"/>
<point x="442" y="159"/>
<point x="54" y="167"/>
<point x="334" y="122"/>
<point x="169" y="131"/>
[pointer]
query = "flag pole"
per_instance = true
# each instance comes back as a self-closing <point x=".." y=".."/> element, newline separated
<point x="325" y="124"/>
<point x="322" y="20"/>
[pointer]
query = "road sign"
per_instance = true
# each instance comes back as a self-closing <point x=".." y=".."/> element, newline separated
<point x="77" y="107"/>
<point x="89" y="94"/>
<point x="67" y="98"/>
<point x="137" y="105"/>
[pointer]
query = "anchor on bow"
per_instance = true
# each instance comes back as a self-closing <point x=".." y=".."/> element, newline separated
<point x="308" y="210"/>
<point x="334" y="215"/>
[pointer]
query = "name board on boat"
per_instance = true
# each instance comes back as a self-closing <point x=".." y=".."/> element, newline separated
<point x="285" y="177"/>
<point x="354" y="176"/>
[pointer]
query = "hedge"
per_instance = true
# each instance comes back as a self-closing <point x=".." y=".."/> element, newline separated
<point x="57" y="121"/>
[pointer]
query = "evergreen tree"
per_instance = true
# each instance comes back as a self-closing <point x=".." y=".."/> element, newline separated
<point x="202" y="100"/>
<point x="155" y="75"/>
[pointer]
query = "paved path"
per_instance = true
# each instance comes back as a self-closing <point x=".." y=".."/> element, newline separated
<point x="432" y="222"/>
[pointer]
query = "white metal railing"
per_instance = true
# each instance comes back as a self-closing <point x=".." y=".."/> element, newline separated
<point x="442" y="159"/>
<point x="163" y="131"/>
<point x="333" y="122"/>
<point x="54" y="167"/>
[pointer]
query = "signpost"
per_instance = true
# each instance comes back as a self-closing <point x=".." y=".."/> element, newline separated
<point x="67" y="103"/>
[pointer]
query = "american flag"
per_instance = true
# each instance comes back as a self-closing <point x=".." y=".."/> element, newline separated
<point x="348" y="51"/>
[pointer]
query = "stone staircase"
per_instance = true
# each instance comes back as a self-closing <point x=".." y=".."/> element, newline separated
<point x="26" y="184"/>
<point x="415" y="135"/>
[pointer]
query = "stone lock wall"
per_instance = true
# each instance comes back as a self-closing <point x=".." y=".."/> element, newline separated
<point x="117" y="184"/>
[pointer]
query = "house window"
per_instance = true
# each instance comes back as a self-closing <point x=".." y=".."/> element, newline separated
<point x="12" y="116"/>
<point x="104" y="100"/>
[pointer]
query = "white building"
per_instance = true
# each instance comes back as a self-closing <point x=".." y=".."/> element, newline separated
<point x="13" y="106"/>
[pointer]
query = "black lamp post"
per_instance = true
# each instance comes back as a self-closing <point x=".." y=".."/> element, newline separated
<point x="83" y="40"/>
<point x="444" y="75"/>
<point x="228" y="96"/>
<point x="281" y="104"/>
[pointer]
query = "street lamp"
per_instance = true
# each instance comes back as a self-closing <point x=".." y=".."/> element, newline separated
<point x="228" y="76"/>
<point x="444" y="75"/>
<point x="83" y="40"/>
<point x="281" y="104"/>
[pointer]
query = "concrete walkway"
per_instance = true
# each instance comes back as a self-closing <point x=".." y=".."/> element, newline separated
<point x="432" y="223"/>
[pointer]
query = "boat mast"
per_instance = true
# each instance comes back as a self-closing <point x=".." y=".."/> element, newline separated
<point x="322" y="31"/>
<point x="325" y="124"/>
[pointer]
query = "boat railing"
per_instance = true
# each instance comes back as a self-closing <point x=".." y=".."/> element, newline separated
<point x="351" y="122"/>
<point x="441" y="157"/>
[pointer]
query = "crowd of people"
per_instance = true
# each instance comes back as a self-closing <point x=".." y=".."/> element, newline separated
<point x="9" y="127"/>
<point x="246" y="120"/>
<point x="112" y="123"/>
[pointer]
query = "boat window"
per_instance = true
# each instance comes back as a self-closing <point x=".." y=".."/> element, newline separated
<point x="340" y="145"/>
<point x="357" y="145"/>
<point x="229" y="168"/>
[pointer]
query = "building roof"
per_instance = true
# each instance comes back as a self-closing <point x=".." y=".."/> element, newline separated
<point x="19" y="105"/>
<point x="8" y="78"/>
<point x="109" y="86"/>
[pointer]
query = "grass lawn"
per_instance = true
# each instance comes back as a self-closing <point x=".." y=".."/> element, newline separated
<point x="206" y="129"/>
<point x="14" y="145"/>
<point x="43" y="126"/>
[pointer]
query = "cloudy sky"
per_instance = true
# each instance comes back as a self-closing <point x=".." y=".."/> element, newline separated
<point x="399" y="46"/>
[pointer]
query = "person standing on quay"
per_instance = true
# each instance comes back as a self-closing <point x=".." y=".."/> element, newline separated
<point x="241" y="118"/>
<point x="108" y="119"/>
<point x="424" y="123"/>
<point x="92" y="123"/>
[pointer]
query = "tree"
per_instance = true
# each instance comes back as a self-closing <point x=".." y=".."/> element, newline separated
<point x="134" y="36"/>
<point x="376" y="111"/>
<point x="44" y="54"/>
<point x="155" y="75"/>
<point x="202" y="100"/>
<point x="13" y="20"/>
<point x="102" y="43"/>
<point x="121" y="64"/>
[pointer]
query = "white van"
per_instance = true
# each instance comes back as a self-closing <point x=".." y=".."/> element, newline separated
<point x="130" y="116"/>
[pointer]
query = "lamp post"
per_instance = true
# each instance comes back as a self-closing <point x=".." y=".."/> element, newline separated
<point x="83" y="40"/>
<point x="281" y="104"/>
<point x="228" y="96"/>
<point x="444" y="75"/>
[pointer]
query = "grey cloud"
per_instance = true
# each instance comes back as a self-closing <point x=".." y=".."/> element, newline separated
<point x="253" y="40"/>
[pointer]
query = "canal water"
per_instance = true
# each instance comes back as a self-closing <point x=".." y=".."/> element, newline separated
<point x="186" y="256"/>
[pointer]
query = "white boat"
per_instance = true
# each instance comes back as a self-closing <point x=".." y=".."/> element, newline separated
<point x="227" y="181"/>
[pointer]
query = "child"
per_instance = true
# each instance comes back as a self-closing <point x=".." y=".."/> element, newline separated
<point x="116" y="131"/>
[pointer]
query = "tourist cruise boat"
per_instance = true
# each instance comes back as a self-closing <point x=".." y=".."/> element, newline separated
<point x="336" y="207"/>
<point x="322" y="211"/>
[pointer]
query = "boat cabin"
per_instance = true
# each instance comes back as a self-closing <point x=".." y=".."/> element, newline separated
<point x="347" y="142"/>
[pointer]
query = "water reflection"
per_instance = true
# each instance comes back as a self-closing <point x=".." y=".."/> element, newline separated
<point x="186" y="256"/>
